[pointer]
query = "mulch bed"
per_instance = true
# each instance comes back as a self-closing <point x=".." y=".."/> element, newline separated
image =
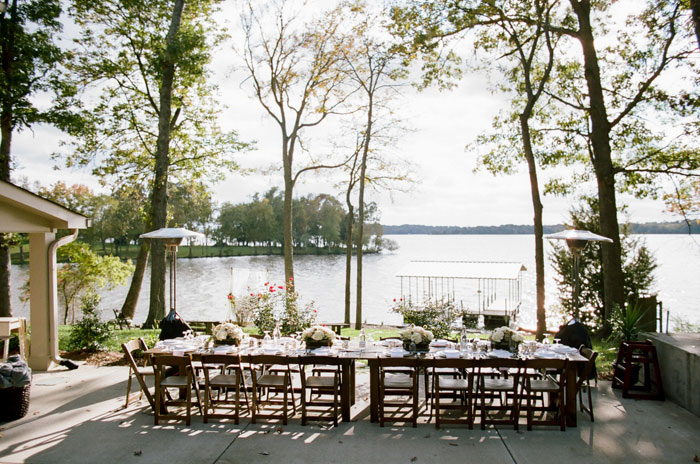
<point x="100" y="358"/>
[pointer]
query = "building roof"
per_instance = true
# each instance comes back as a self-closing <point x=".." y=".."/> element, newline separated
<point x="463" y="270"/>
<point x="25" y="212"/>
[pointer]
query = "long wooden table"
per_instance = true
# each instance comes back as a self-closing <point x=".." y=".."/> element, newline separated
<point x="371" y="356"/>
<point x="571" y="375"/>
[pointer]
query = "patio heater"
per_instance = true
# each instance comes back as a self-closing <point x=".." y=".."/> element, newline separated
<point x="576" y="240"/>
<point x="172" y="238"/>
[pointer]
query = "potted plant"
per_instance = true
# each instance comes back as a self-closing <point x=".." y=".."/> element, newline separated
<point x="419" y="336"/>
<point x="318" y="336"/>
<point x="625" y="325"/>
<point x="227" y="333"/>
<point x="505" y="338"/>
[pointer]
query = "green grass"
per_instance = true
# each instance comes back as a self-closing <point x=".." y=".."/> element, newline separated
<point x="115" y="341"/>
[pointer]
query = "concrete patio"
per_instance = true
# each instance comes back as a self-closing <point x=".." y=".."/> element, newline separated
<point x="77" y="417"/>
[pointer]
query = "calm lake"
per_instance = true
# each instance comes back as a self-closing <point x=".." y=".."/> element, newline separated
<point x="203" y="283"/>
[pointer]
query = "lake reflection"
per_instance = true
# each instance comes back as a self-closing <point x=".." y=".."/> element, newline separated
<point x="203" y="283"/>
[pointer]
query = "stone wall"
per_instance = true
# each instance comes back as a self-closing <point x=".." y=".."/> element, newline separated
<point x="679" y="358"/>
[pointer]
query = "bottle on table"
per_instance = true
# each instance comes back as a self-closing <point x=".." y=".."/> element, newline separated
<point x="363" y="339"/>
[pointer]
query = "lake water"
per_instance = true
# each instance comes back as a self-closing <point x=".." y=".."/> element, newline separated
<point x="203" y="283"/>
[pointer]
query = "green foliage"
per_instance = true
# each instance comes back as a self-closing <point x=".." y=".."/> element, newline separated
<point x="32" y="64"/>
<point x="638" y="267"/>
<point x="89" y="333"/>
<point x="436" y="316"/>
<point x="85" y="272"/>
<point x="624" y="322"/>
<point x="274" y="304"/>
<point x="122" y="54"/>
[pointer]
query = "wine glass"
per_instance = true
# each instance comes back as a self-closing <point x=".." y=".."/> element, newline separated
<point x="267" y="340"/>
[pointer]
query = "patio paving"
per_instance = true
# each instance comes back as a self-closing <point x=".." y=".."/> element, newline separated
<point x="77" y="417"/>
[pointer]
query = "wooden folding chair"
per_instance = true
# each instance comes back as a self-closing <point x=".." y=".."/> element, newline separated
<point x="398" y="377"/>
<point x="505" y="388"/>
<point x="320" y="385"/>
<point x="184" y="380"/>
<point x="222" y="374"/>
<point x="136" y="370"/>
<point x="584" y="380"/>
<point x="276" y="383"/>
<point x="551" y="383"/>
<point x="460" y="386"/>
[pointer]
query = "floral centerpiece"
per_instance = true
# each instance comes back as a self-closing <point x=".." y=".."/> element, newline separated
<point x="227" y="333"/>
<point x="505" y="338"/>
<point x="317" y="336"/>
<point x="418" y="335"/>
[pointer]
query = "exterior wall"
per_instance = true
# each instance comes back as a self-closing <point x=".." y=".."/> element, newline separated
<point x="679" y="357"/>
<point x="41" y="350"/>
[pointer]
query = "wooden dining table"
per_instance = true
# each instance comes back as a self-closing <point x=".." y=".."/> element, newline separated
<point x="575" y="361"/>
<point x="372" y="354"/>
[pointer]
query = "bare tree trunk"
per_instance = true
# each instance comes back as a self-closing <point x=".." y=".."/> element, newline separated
<point x="361" y="217"/>
<point x="156" y="309"/>
<point x="288" y="245"/>
<point x="603" y="167"/>
<point x="5" y="142"/>
<point x="132" y="297"/>
<point x="537" y="207"/>
<point x="5" y="265"/>
<point x="348" y="255"/>
<point x="695" y="10"/>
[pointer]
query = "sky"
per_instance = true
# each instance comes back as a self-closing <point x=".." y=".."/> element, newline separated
<point x="440" y="145"/>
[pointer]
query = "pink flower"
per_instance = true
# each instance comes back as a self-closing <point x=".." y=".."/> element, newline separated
<point x="291" y="279"/>
<point x="280" y="287"/>
<point x="266" y="284"/>
<point x="252" y="294"/>
<point x="230" y="296"/>
<point x="394" y="300"/>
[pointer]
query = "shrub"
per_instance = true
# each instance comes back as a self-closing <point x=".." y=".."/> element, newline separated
<point x="277" y="304"/>
<point x="436" y="316"/>
<point x="89" y="333"/>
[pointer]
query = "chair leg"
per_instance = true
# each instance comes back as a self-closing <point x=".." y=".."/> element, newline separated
<point x="207" y="404"/>
<point x="237" y="410"/>
<point x="415" y="403"/>
<point x="284" y="406"/>
<point x="436" y="401"/>
<point x="381" y="405"/>
<point x="335" y="405"/>
<point x="128" y="389"/>
<point x="188" y="398"/>
<point x="253" y="413"/>
<point x="590" y="402"/>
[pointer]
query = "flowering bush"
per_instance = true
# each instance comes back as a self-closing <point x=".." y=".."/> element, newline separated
<point x="506" y="336"/>
<point x="277" y="304"/>
<point x="437" y="316"/>
<point x="227" y="333"/>
<point x="241" y="310"/>
<point x="317" y="335"/>
<point x="417" y="335"/>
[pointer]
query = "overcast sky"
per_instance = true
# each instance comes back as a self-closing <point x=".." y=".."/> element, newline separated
<point x="444" y="126"/>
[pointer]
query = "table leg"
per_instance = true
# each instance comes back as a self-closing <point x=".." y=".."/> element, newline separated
<point x="352" y="382"/>
<point x="347" y="386"/>
<point x="373" y="390"/>
<point x="571" y="374"/>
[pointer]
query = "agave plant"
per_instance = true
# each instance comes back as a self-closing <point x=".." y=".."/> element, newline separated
<point x="625" y="322"/>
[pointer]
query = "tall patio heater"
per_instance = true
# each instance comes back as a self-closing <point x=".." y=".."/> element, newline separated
<point x="577" y="240"/>
<point x="172" y="238"/>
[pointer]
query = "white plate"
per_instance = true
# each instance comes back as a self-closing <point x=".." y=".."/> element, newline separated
<point x="452" y="354"/>
<point x="500" y="354"/>
<point x="439" y="343"/>
<point x="562" y="348"/>
<point x="547" y="354"/>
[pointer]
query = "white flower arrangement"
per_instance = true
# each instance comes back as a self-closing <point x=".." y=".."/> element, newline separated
<point x="227" y="333"/>
<point x="318" y="333"/>
<point x="506" y="335"/>
<point x="417" y="335"/>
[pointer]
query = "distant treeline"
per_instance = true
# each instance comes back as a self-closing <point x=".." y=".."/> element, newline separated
<point x="679" y="227"/>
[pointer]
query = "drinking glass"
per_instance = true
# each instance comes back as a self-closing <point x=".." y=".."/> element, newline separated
<point x="267" y="339"/>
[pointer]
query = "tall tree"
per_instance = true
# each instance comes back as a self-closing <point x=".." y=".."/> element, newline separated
<point x="296" y="75"/>
<point x="612" y="115"/>
<point x="155" y="119"/>
<point x="373" y="66"/>
<point x="528" y="52"/>
<point x="30" y="63"/>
